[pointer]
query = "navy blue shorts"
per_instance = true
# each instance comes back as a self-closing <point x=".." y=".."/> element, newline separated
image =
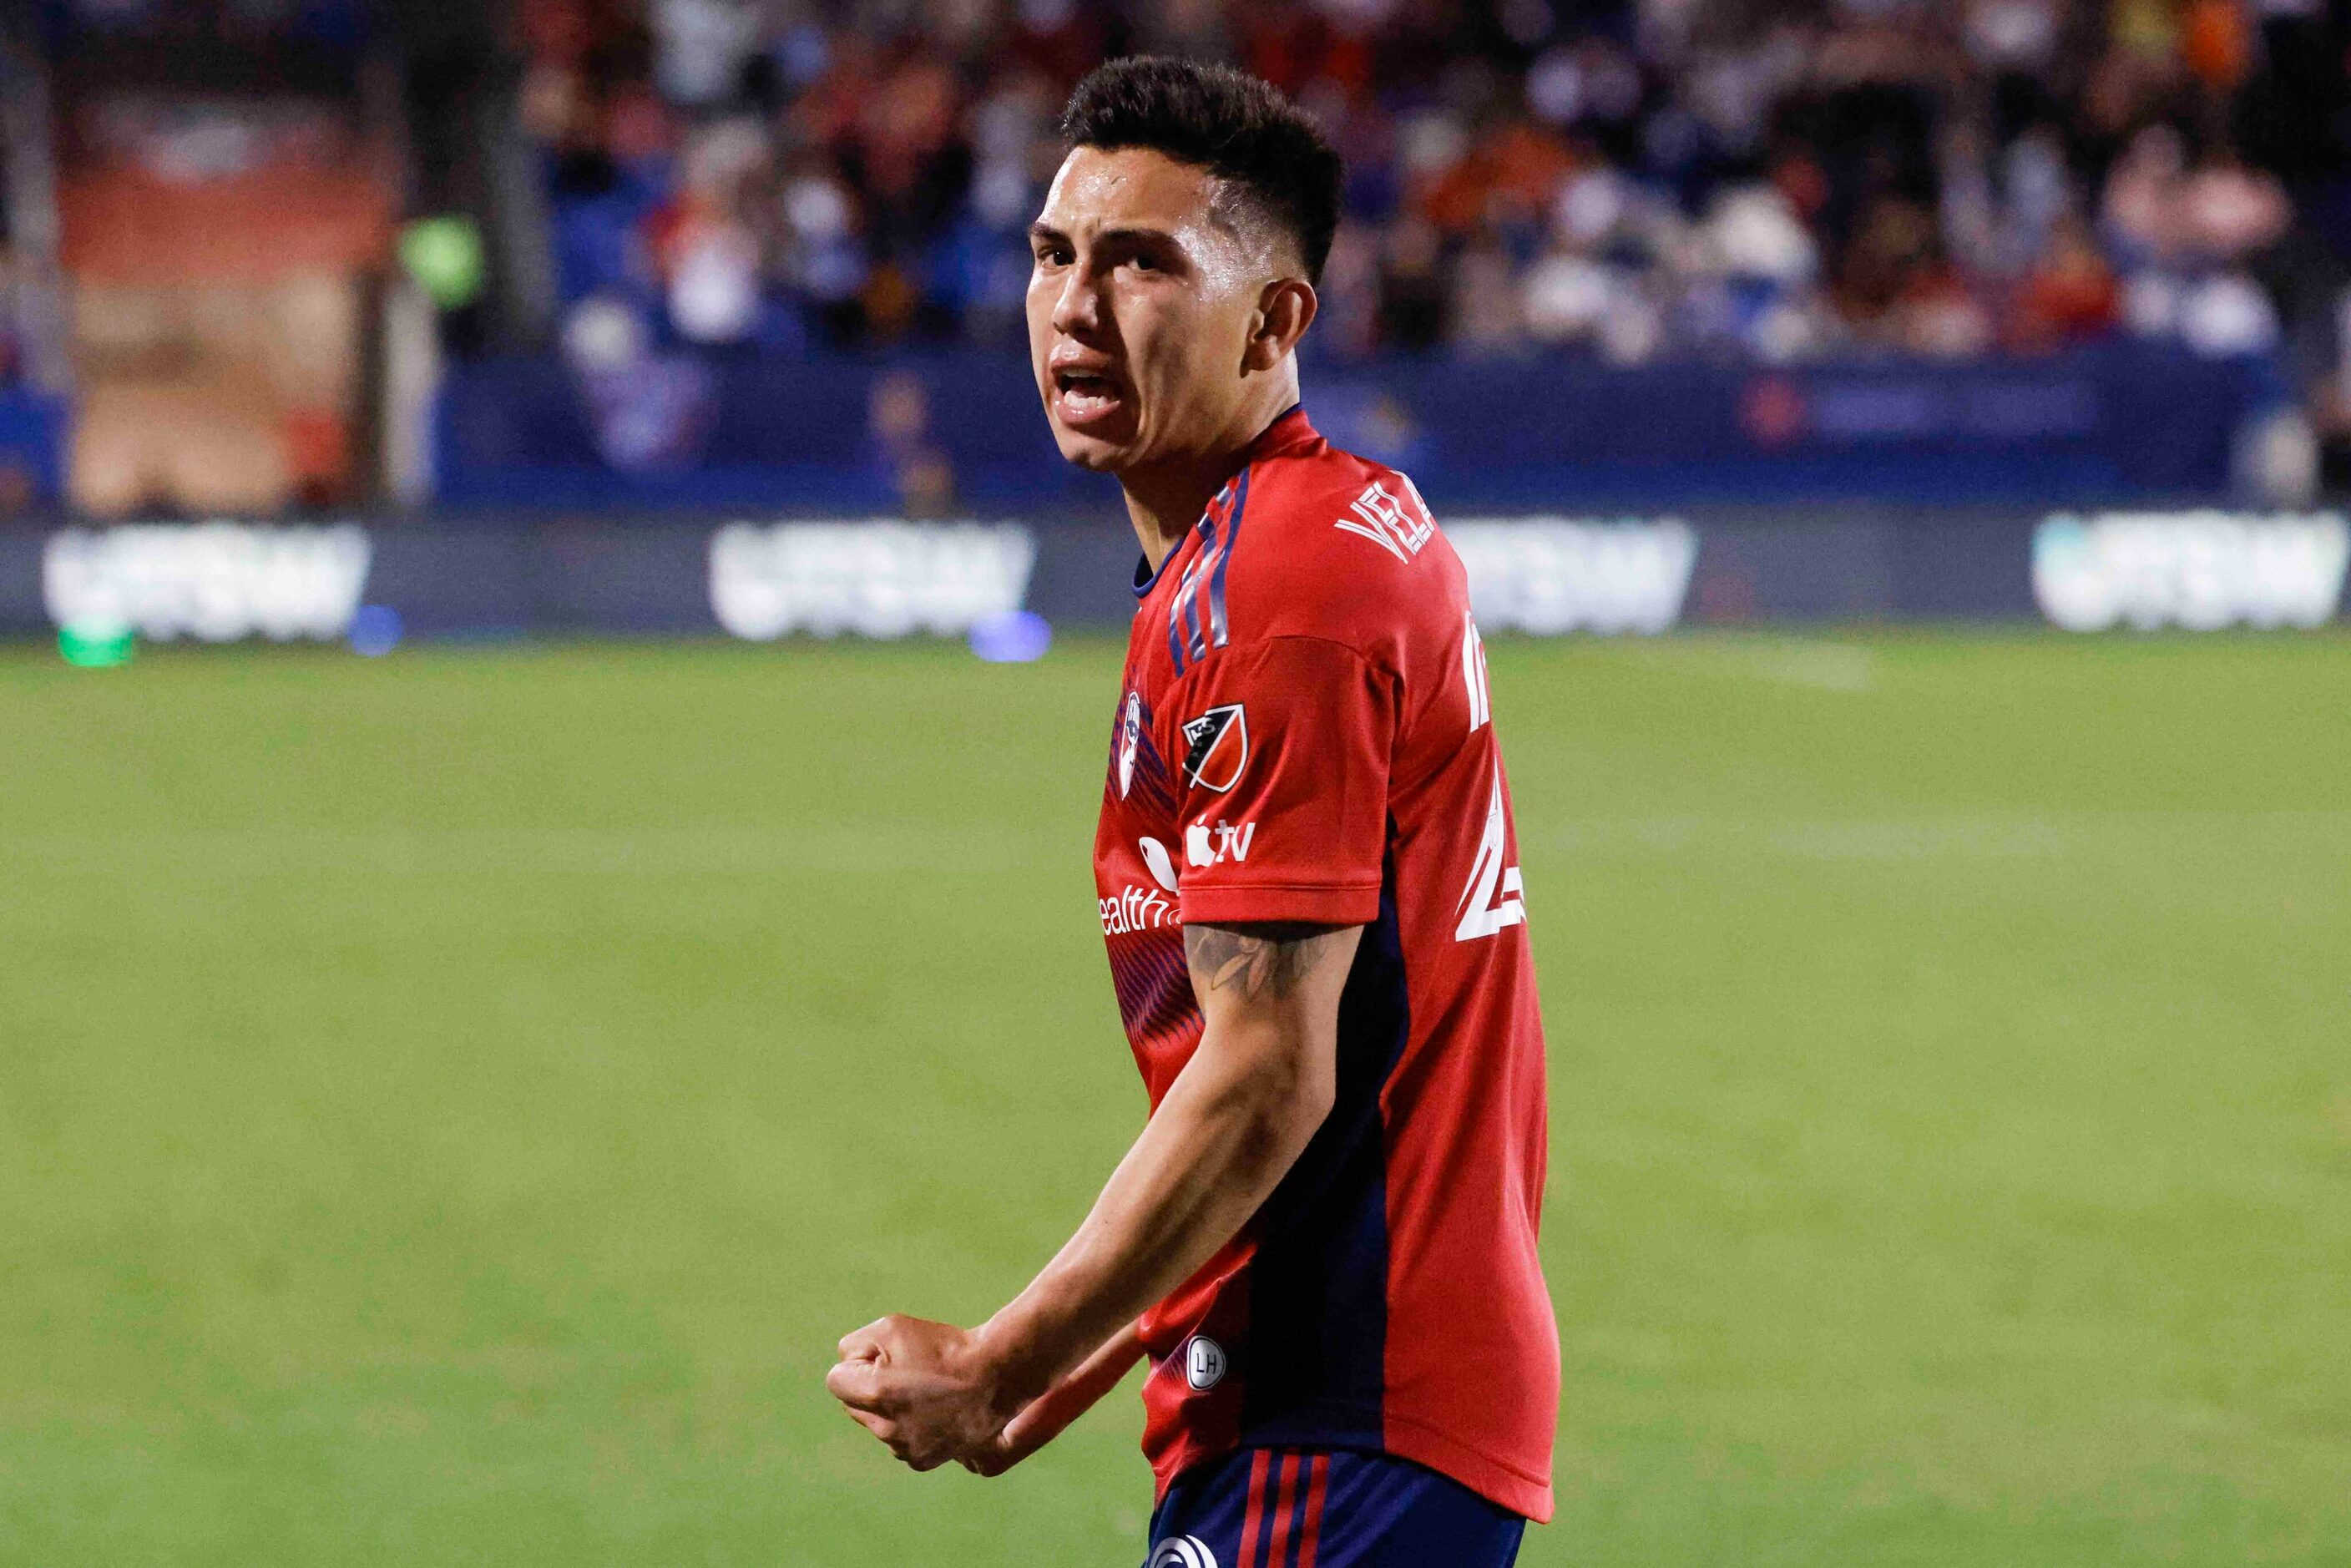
<point x="1292" y="1507"/>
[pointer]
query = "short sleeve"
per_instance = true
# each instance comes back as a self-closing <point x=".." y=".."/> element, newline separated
<point x="1285" y="748"/>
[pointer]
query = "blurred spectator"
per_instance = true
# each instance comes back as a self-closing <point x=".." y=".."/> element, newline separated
<point x="1630" y="180"/>
<point x="12" y="358"/>
<point x="2070" y="296"/>
<point x="11" y="306"/>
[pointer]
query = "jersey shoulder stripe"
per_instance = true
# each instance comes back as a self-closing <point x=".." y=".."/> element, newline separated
<point x="1223" y="631"/>
<point x="1193" y="632"/>
<point x="1338" y="549"/>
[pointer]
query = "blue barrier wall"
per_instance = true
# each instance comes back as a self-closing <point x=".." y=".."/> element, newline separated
<point x="2121" y="423"/>
<point x="33" y="440"/>
<point x="2116" y="426"/>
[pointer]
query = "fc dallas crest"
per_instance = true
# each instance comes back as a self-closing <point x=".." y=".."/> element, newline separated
<point x="1130" y="738"/>
<point x="1216" y="747"/>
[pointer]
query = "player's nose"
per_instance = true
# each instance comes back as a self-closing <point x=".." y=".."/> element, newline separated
<point x="1078" y="308"/>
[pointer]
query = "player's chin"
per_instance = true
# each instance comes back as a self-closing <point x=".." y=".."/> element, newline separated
<point x="1100" y="452"/>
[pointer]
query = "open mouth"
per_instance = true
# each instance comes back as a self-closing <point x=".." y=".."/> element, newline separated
<point x="1083" y="397"/>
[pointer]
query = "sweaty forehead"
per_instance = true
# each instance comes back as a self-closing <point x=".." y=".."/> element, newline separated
<point x="1134" y="187"/>
<point x="1126" y="186"/>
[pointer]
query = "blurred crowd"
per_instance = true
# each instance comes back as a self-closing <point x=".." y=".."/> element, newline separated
<point x="11" y="305"/>
<point x="1633" y="179"/>
<point x="12" y="355"/>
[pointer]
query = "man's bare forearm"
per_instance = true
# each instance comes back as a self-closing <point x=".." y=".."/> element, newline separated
<point x="1218" y="1145"/>
<point x="1049" y="1415"/>
<point x="1231" y="1126"/>
<point x="1098" y="1373"/>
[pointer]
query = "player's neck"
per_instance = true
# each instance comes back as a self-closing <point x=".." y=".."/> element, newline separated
<point x="1164" y="499"/>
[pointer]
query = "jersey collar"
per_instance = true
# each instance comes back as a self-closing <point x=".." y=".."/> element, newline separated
<point x="1145" y="578"/>
<point x="1289" y="431"/>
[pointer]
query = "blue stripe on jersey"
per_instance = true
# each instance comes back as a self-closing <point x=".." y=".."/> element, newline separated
<point x="1190" y="632"/>
<point x="1317" y="1284"/>
<point x="1190" y="598"/>
<point x="1219" y="633"/>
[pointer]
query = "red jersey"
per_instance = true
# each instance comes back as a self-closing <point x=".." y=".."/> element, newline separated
<point x="1305" y="735"/>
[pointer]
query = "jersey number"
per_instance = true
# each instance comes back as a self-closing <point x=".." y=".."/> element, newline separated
<point x="1473" y="674"/>
<point x="1492" y="901"/>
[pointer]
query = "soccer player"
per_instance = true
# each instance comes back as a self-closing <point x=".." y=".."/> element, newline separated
<point x="1323" y="1239"/>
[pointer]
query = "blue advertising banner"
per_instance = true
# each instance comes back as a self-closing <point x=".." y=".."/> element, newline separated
<point x="1543" y="575"/>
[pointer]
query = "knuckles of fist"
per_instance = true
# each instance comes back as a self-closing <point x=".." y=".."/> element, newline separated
<point x="917" y="1387"/>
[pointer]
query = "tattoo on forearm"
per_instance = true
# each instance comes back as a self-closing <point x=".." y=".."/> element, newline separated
<point x="1257" y="960"/>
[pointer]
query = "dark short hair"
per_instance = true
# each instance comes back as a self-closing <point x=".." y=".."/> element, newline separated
<point x="1267" y="151"/>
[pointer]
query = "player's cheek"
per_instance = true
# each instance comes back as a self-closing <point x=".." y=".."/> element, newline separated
<point x="1043" y="295"/>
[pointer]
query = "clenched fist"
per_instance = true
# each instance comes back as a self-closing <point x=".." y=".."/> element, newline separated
<point x="926" y="1389"/>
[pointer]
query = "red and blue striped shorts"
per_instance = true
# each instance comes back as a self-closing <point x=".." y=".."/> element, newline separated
<point x="1303" y="1508"/>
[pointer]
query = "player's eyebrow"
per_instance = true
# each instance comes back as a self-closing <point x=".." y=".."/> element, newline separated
<point x="1132" y="234"/>
<point x="1138" y="236"/>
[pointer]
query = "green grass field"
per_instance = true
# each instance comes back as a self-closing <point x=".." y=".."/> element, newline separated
<point x="450" y="1104"/>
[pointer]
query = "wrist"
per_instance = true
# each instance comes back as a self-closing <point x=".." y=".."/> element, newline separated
<point x="1019" y="1358"/>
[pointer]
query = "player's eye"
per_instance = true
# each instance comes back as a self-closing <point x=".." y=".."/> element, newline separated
<point x="1142" y="264"/>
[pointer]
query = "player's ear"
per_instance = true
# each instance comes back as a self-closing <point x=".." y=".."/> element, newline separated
<point x="1284" y="311"/>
